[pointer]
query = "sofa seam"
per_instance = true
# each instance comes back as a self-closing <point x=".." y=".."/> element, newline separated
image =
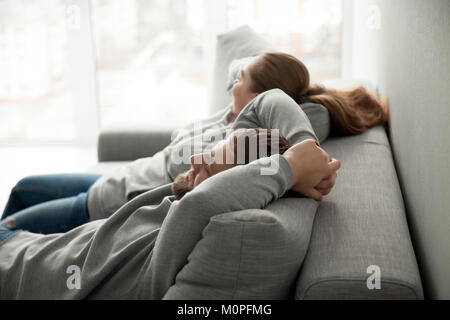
<point x="236" y="285"/>
<point x="309" y="241"/>
<point x="235" y="221"/>
<point x="358" y="279"/>
<point x="377" y="143"/>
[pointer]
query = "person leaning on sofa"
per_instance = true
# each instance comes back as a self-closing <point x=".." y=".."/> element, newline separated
<point x="266" y="94"/>
<point x="117" y="256"/>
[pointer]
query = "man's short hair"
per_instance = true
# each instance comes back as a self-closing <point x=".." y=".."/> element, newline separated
<point x="253" y="140"/>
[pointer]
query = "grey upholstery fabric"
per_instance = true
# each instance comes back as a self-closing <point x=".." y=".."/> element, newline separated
<point x="238" y="43"/>
<point x="319" y="117"/>
<point x="361" y="223"/>
<point x="409" y="59"/>
<point x="126" y="144"/>
<point x="249" y="254"/>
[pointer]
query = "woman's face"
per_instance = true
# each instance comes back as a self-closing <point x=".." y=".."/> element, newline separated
<point x="242" y="94"/>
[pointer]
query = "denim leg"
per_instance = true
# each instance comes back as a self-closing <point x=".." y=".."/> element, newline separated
<point x="5" y="233"/>
<point x="53" y="216"/>
<point x="38" y="189"/>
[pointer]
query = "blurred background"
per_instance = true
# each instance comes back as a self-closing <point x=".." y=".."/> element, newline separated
<point x="65" y="76"/>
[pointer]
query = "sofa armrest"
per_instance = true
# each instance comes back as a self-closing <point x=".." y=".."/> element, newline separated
<point x="360" y="247"/>
<point x="126" y="144"/>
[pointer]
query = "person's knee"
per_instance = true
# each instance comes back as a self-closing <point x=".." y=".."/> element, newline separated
<point x="17" y="189"/>
<point x="19" y="195"/>
<point x="8" y="223"/>
<point x="25" y="183"/>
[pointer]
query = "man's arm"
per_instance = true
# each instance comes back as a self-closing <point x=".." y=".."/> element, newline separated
<point x="240" y="188"/>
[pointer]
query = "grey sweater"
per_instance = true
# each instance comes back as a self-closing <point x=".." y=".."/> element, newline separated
<point x="138" y="251"/>
<point x="272" y="109"/>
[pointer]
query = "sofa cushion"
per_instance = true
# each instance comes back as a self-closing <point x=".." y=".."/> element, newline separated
<point x="361" y="223"/>
<point x="249" y="254"/>
<point x="235" y="44"/>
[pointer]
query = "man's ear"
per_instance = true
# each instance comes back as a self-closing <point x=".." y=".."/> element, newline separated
<point x="196" y="159"/>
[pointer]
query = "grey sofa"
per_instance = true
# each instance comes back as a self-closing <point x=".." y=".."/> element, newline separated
<point x="361" y="223"/>
<point x="359" y="232"/>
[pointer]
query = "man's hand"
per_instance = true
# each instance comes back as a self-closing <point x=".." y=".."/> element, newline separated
<point x="313" y="170"/>
<point x="325" y="186"/>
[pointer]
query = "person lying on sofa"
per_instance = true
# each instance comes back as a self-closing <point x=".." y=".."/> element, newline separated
<point x="137" y="252"/>
<point x="266" y="94"/>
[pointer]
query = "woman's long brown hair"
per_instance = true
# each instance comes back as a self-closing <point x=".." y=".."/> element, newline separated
<point x="351" y="111"/>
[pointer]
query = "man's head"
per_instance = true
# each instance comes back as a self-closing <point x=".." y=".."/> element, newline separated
<point x="241" y="147"/>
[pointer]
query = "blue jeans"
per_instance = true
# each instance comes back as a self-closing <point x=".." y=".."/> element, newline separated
<point x="5" y="233"/>
<point x="48" y="203"/>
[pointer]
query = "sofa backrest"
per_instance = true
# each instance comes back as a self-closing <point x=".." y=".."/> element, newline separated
<point x="235" y="44"/>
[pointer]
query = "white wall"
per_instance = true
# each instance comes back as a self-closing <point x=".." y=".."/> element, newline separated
<point x="407" y="55"/>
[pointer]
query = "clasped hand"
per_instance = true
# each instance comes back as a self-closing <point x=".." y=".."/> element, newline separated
<point x="313" y="170"/>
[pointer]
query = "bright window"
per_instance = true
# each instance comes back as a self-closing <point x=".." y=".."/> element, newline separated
<point x="149" y="57"/>
<point x="65" y="77"/>
<point x="309" y="29"/>
<point x="35" y="89"/>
